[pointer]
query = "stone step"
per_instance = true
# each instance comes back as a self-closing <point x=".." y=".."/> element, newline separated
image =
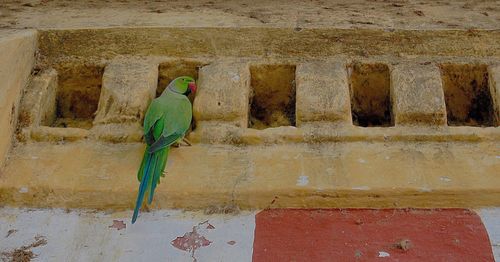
<point x="342" y="174"/>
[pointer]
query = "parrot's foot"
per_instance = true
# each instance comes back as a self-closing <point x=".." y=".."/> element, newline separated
<point x="185" y="140"/>
<point x="179" y="143"/>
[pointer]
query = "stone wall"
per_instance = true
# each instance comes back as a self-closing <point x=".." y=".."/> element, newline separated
<point x="276" y="124"/>
<point x="17" y="56"/>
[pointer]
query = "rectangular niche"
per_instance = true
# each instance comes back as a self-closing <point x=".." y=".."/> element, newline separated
<point x="467" y="95"/>
<point x="370" y="94"/>
<point x="78" y="92"/>
<point x="272" y="102"/>
<point x="170" y="70"/>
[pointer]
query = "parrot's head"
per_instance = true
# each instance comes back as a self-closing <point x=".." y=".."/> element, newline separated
<point x="183" y="85"/>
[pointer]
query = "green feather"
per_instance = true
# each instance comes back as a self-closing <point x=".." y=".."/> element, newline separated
<point x="166" y="121"/>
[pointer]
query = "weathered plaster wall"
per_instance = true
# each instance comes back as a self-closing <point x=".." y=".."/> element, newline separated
<point x="17" y="49"/>
<point x="413" y="159"/>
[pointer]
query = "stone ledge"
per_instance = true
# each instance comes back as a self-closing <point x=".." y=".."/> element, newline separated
<point x="214" y="132"/>
<point x="355" y="174"/>
<point x="58" y="134"/>
<point x="221" y="108"/>
<point x="264" y="42"/>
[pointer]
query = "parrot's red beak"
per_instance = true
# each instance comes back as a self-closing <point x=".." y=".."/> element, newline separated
<point x="192" y="87"/>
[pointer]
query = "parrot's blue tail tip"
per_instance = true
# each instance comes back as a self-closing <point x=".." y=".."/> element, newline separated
<point x="135" y="215"/>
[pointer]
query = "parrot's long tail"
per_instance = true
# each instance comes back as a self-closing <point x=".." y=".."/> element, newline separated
<point x="149" y="174"/>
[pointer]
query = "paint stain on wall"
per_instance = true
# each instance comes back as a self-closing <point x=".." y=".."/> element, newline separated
<point x="302" y="181"/>
<point x="191" y="241"/>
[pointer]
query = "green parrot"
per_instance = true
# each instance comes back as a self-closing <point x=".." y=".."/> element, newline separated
<point x="167" y="119"/>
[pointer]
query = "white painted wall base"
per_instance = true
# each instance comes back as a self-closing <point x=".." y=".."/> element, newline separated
<point x="84" y="236"/>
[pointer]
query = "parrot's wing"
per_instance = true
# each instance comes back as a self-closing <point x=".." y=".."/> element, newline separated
<point x="164" y="141"/>
<point x="176" y="123"/>
<point x="152" y="119"/>
<point x="149" y="136"/>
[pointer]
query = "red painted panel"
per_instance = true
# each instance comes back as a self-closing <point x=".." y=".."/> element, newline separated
<point x="361" y="234"/>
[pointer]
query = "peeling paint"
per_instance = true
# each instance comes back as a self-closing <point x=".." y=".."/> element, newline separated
<point x="191" y="241"/>
<point x="234" y="77"/>
<point x="302" y="181"/>
<point x="362" y="161"/>
<point x="383" y="254"/>
<point x="445" y="179"/>
<point x="118" y="225"/>
<point x="23" y="190"/>
<point x="80" y="235"/>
